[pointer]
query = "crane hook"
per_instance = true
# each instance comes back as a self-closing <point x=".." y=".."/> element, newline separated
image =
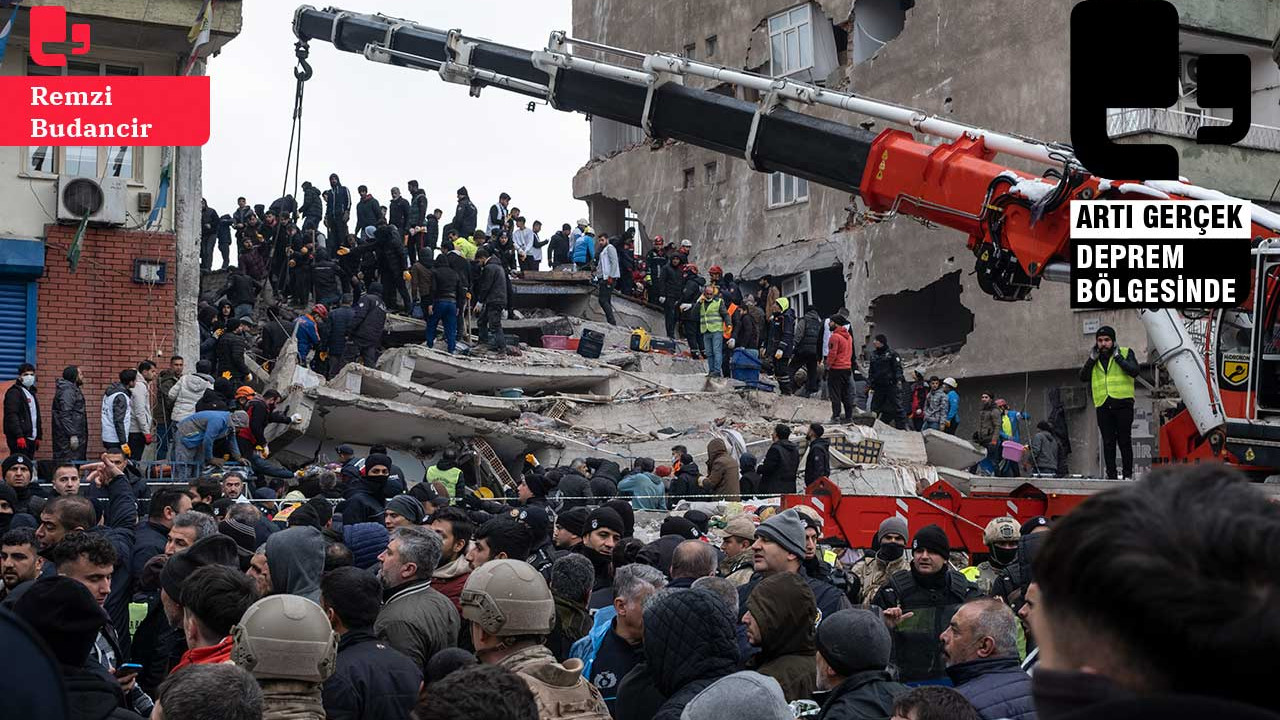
<point x="303" y="71"/>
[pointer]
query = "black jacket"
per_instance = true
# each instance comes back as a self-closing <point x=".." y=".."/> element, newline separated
<point x="241" y="289"/>
<point x="778" y="471"/>
<point x="398" y="213"/>
<point x="17" y="414"/>
<point x="604" y="478"/>
<point x="996" y="687"/>
<point x="149" y="540"/>
<point x="491" y="288"/>
<point x="209" y="222"/>
<point x="339" y="322"/>
<point x="558" y="248"/>
<point x="462" y="267"/>
<point x="916" y="651"/>
<point x="369" y="320"/>
<point x="94" y="695"/>
<point x="689" y="643"/>
<point x="274" y="335"/>
<point x="367" y="211"/>
<point x="746" y="333"/>
<point x="229" y="352"/>
<point x="365" y="502"/>
<point x="69" y="419"/>
<point x="862" y="696"/>
<point x="464" y="218"/>
<point x="810" y="341"/>
<point x="372" y="680"/>
<point x="445" y="283"/>
<point x="418" y="211"/>
<point x="1088" y="696"/>
<point x="574" y="485"/>
<point x="312" y="207"/>
<point x="670" y="283"/>
<point x="827" y="596"/>
<point x="817" y="461"/>
<point x="326" y="282"/>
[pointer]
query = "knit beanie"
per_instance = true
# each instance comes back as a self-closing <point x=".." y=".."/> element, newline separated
<point x="745" y="695"/>
<point x="316" y="512"/>
<point x="854" y="640"/>
<point x="627" y="513"/>
<point x="785" y="529"/>
<point x="604" y="517"/>
<point x="18" y="459"/>
<point x="244" y="535"/>
<point x="932" y="538"/>
<point x="65" y="615"/>
<point x="408" y="507"/>
<point x="895" y="524"/>
<point x="8" y="493"/>
<point x="574" y="520"/>
<point x="212" y="550"/>
<point x="376" y="460"/>
<point x="675" y="525"/>
<point x="1106" y="331"/>
<point x="537" y="483"/>
<point x="537" y="520"/>
<point x="700" y="520"/>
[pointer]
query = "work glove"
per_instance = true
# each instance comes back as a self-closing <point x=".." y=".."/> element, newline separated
<point x="125" y="449"/>
<point x="74" y="442"/>
<point x="662" y="300"/>
<point x="22" y="444"/>
<point x="295" y="419"/>
<point x="150" y="438"/>
<point x="468" y="296"/>
<point x="777" y="355"/>
<point x="226" y="374"/>
<point x="293" y="263"/>
<point x="217" y="333"/>
<point x="344" y="250"/>
<point x="407" y="276"/>
<point x="264" y="451"/>
<point x="684" y="307"/>
<point x="324" y="355"/>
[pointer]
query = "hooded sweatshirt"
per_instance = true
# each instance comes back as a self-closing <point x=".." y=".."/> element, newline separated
<point x="722" y="471"/>
<point x="785" y="611"/>
<point x="689" y="643"/>
<point x="295" y="557"/>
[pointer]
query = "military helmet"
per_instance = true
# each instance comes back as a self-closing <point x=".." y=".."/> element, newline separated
<point x="508" y="598"/>
<point x="285" y="637"/>
<point x="1002" y="529"/>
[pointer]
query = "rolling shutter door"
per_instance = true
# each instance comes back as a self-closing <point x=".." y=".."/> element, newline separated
<point x="14" y="326"/>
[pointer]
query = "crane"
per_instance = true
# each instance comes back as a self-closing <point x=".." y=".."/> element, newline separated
<point x="1018" y="225"/>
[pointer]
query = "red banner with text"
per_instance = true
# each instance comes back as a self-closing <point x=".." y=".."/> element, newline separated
<point x="140" y="111"/>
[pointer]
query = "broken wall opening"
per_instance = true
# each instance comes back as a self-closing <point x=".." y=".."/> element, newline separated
<point x="875" y="23"/>
<point x="931" y="318"/>
<point x="828" y="290"/>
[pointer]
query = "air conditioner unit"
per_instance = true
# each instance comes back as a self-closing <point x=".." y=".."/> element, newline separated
<point x="104" y="201"/>
<point x="1188" y="78"/>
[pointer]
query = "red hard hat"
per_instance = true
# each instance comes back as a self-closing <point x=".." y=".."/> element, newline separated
<point x="320" y="310"/>
<point x="691" y="268"/>
<point x="715" y="270"/>
<point x="657" y="240"/>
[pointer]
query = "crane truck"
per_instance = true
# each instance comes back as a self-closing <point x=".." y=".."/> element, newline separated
<point x="1227" y="372"/>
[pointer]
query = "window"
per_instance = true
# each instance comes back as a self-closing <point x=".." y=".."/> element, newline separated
<point x="42" y="159"/>
<point x="83" y="67"/>
<point x="631" y="221"/>
<point x="711" y="173"/>
<point x="791" y="41"/>
<point x="711" y="46"/>
<point x="787" y="189"/>
<point x="689" y="50"/>
<point x="688" y="178"/>
<point x="120" y="161"/>
<point x="796" y="289"/>
<point x="80" y="160"/>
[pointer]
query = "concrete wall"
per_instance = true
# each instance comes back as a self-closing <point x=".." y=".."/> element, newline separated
<point x="1256" y="19"/>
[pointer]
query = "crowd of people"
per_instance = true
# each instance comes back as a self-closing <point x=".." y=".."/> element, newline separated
<point x="352" y="593"/>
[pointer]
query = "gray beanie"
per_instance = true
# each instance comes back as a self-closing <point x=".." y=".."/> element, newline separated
<point x="894" y="524"/>
<point x="786" y="529"/>
<point x="407" y="506"/>
<point x="854" y="640"/>
<point x="743" y="695"/>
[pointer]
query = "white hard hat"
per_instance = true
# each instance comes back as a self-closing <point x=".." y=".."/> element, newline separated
<point x="686" y="243"/>
<point x="950" y="382"/>
<point x="582" y="222"/>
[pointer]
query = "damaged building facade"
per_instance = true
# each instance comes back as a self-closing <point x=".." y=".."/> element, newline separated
<point x="998" y="65"/>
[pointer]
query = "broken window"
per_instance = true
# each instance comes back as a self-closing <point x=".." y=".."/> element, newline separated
<point x="930" y="320"/>
<point x="711" y="172"/>
<point x="875" y="23"/>
<point x="631" y="221"/>
<point x="688" y="178"/>
<point x="787" y="189"/>
<point x="711" y="46"/>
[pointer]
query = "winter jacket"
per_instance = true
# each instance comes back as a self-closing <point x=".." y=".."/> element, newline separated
<point x="935" y="407"/>
<point x="365" y="501"/>
<point x="17" y="414"/>
<point x="450" y="578"/>
<point x="116" y="412"/>
<point x="187" y="392"/>
<point x="574" y="485"/>
<point x="558" y="248"/>
<point x="996" y="687"/>
<point x="778" y="471"/>
<point x="746" y="330"/>
<point x="161" y="404"/>
<point x="307" y="332"/>
<point x="840" y="349"/>
<point x="685" y="482"/>
<point x="608" y="267"/>
<point x="864" y="695"/>
<point x="69" y="419"/>
<point x="464" y="218"/>
<point x="339" y="323"/>
<point x="645" y="490"/>
<point x="295" y="557"/>
<point x="559" y="690"/>
<point x="572" y="623"/>
<point x="418" y="621"/>
<point x="461" y="267"/>
<point x="420" y="280"/>
<point x="809" y="342"/>
<point x="418" y="210"/>
<point x="689" y="643"/>
<point x="829" y="598"/>
<point x="1044" y="452"/>
<point x="92" y="694"/>
<point x="149" y="540"/>
<point x="241" y="289"/>
<point x="988" y="426"/>
<point x="785" y="612"/>
<point x="204" y="428"/>
<point x="445" y="284"/>
<point x="497" y="218"/>
<point x="229" y="353"/>
<point x="371" y="681"/>
<point x="722" y="471"/>
<point x="366" y="541"/>
<point x="326" y="279"/>
<point x="118" y="523"/>
<point x="491" y="288"/>
<point x="885" y="375"/>
<point x="338" y="199"/>
<point x="398" y="213"/>
<point x="140" y="420"/>
<point x="368" y="210"/>
<point x="817" y="461"/>
<point x="584" y="249"/>
<point x="312" y="207"/>
<point x="369" y="320"/>
<point x="782" y="328"/>
<point x="670" y="283"/>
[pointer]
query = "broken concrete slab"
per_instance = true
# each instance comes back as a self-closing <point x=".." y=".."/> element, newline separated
<point x="885" y="480"/>
<point x="329" y="413"/>
<point x="950" y="451"/>
<point x="369" y="382"/>
<point x="534" y="371"/>
<point x="901" y="445"/>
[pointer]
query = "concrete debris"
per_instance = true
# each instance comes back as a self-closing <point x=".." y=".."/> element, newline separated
<point x="536" y="371"/>
<point x="950" y="451"/>
<point x="360" y="380"/>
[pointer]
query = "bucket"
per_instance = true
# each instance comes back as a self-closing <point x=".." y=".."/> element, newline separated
<point x="1012" y="450"/>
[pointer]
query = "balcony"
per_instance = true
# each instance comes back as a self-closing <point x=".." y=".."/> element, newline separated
<point x="1184" y="124"/>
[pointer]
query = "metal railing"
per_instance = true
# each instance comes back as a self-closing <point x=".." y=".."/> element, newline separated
<point x="1135" y="121"/>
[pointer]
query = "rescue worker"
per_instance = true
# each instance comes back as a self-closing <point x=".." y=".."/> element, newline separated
<point x="953" y="406"/>
<point x="808" y="352"/>
<point x="510" y="610"/>
<point x="288" y="645"/>
<point x="782" y="329"/>
<point x="1001" y="538"/>
<point x="712" y="319"/>
<point x="690" y="292"/>
<point x="307" y="328"/>
<point x="888" y="556"/>
<point x="367" y="324"/>
<point x="885" y="380"/>
<point x="446" y="471"/>
<point x="918" y="605"/>
<point x="670" y="284"/>
<point x="1110" y="370"/>
<point x="117" y="407"/>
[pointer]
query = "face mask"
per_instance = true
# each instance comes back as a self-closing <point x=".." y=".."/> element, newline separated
<point x="889" y="552"/>
<point x="1004" y="556"/>
<point x="29" y="380"/>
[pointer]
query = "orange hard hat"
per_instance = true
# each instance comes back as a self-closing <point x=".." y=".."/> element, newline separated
<point x="244" y="391"/>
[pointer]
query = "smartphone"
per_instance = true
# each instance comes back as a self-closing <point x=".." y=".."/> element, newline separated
<point x="128" y="669"/>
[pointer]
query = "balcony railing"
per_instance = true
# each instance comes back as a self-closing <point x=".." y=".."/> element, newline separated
<point x="1135" y="121"/>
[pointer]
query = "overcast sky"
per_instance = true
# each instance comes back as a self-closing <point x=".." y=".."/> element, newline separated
<point x="381" y="126"/>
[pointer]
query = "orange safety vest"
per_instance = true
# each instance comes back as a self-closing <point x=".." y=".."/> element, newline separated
<point x="728" y="327"/>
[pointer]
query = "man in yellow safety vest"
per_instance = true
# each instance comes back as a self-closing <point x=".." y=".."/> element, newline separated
<point x="712" y="318"/>
<point x="1110" y="370"/>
